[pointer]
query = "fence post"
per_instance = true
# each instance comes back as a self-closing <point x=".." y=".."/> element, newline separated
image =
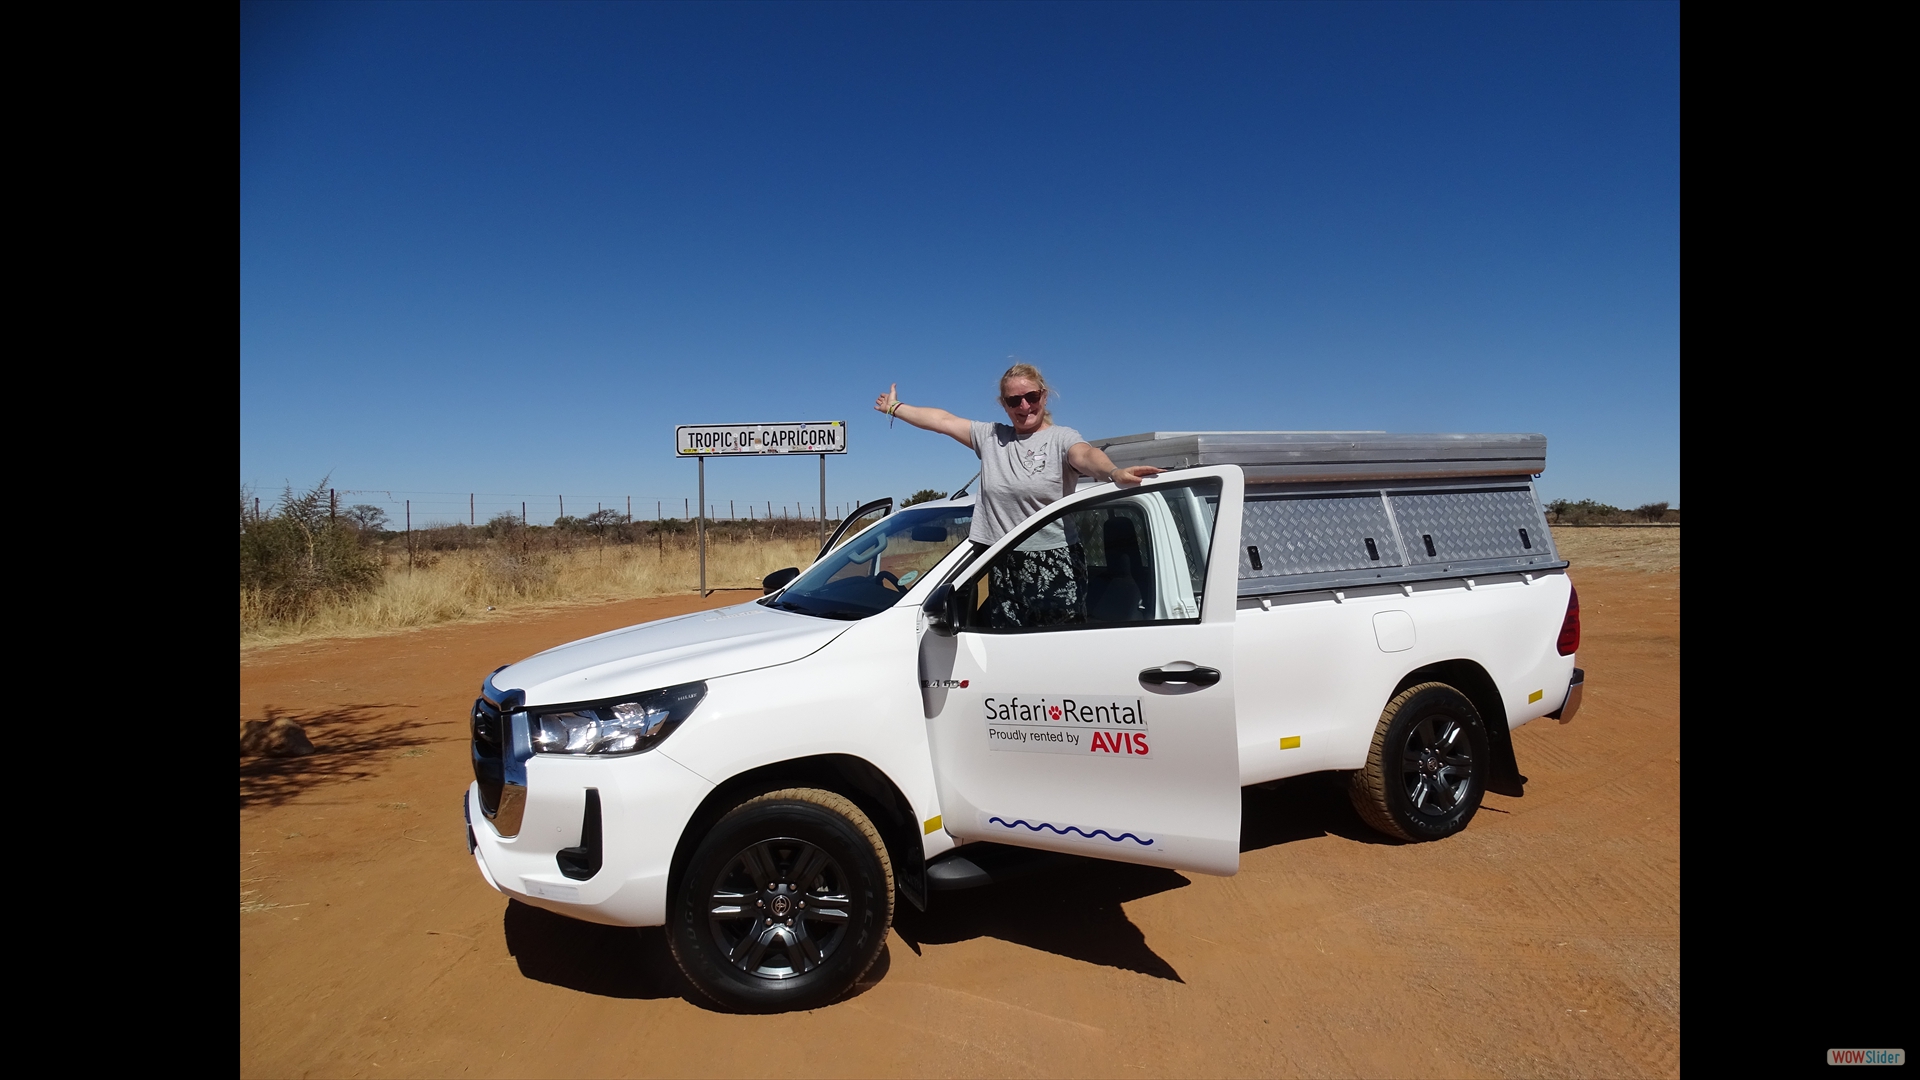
<point x="563" y="506"/>
<point x="703" y="525"/>
<point x="470" y="518"/>
<point x="333" y="505"/>
<point x="409" y="536"/>
<point x="523" y="513"/>
<point x="629" y="509"/>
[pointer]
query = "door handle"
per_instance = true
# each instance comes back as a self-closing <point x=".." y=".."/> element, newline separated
<point x="1195" y="676"/>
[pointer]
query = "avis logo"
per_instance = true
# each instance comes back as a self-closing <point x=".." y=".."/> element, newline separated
<point x="1119" y="742"/>
<point x="943" y="684"/>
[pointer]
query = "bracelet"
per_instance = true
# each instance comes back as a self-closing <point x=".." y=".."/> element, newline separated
<point x="895" y="410"/>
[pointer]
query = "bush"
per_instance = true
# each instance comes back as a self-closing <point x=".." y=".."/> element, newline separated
<point x="1584" y="512"/>
<point x="923" y="495"/>
<point x="1589" y="512"/>
<point x="297" y="556"/>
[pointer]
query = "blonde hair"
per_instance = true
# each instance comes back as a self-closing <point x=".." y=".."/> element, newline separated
<point x="1024" y="370"/>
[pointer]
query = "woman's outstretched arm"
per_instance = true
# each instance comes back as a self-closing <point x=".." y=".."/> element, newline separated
<point x="921" y="416"/>
<point x="1089" y="460"/>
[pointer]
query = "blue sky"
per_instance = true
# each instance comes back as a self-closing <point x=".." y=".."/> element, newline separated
<point x="505" y="248"/>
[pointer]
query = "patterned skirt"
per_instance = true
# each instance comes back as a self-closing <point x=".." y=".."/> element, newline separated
<point x="1038" y="588"/>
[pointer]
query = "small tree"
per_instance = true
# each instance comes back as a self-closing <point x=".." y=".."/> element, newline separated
<point x="923" y="495"/>
<point x="366" y="517"/>
<point x="1653" y="511"/>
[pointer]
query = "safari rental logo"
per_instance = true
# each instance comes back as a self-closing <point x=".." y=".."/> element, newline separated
<point x="1099" y="726"/>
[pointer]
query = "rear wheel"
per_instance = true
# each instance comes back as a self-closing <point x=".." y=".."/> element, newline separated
<point x="785" y="903"/>
<point x="1428" y="766"/>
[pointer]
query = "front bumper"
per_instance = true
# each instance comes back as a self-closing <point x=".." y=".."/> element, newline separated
<point x="1565" y="712"/>
<point x="644" y="801"/>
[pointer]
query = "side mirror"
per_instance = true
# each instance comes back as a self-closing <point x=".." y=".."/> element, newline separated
<point x="777" y="580"/>
<point x="939" y="609"/>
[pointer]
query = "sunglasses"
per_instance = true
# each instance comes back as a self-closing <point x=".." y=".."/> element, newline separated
<point x="1031" y="397"/>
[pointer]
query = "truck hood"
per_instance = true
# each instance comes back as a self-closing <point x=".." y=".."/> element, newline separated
<point x="703" y="645"/>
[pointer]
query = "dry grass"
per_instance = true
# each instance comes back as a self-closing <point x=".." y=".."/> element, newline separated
<point x="465" y="584"/>
<point x="1653" y="551"/>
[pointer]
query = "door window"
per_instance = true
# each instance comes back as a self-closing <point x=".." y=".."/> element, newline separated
<point x="1133" y="557"/>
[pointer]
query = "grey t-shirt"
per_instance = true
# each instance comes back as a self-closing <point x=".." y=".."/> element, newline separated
<point x="1020" y="474"/>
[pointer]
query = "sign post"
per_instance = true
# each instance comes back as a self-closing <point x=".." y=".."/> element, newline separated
<point x="757" y="440"/>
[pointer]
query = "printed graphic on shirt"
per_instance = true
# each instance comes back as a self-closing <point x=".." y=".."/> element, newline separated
<point x="1081" y="724"/>
<point x="1032" y="457"/>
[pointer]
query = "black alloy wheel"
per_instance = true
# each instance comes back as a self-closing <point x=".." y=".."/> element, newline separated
<point x="780" y="908"/>
<point x="785" y="903"/>
<point x="1427" y="769"/>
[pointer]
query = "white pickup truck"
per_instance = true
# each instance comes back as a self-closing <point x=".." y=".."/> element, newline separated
<point x="763" y="779"/>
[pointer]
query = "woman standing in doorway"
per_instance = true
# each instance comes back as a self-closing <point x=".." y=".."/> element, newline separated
<point x="1026" y="464"/>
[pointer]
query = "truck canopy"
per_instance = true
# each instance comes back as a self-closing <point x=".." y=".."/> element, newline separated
<point x="1346" y="509"/>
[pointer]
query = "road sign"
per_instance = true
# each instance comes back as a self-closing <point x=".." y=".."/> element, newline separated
<point x="702" y="441"/>
<point x="729" y="440"/>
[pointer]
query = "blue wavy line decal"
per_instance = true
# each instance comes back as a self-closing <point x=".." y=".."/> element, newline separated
<point x="1070" y="829"/>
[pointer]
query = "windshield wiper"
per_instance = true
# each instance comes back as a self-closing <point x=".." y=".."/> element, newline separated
<point x="846" y="616"/>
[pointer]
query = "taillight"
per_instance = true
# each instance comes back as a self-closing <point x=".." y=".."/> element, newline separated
<point x="1569" y="641"/>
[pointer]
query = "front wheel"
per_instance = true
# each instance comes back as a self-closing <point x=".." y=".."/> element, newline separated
<point x="1428" y="766"/>
<point x="785" y="903"/>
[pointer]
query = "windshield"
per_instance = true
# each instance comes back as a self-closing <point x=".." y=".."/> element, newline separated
<point x="871" y="572"/>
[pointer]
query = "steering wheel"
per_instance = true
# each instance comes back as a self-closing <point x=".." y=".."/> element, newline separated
<point x="887" y="575"/>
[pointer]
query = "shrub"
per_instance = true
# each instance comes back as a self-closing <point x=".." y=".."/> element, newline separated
<point x="297" y="556"/>
<point x="1584" y="512"/>
<point x="923" y="495"/>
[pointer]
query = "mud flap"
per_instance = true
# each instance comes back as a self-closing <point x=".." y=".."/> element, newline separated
<point x="1504" y="778"/>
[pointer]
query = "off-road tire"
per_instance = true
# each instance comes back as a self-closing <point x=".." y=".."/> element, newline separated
<point x="1414" y="788"/>
<point x="776" y="853"/>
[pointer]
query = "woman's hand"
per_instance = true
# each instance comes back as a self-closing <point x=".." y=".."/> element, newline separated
<point x="921" y="416"/>
<point x="1133" y="474"/>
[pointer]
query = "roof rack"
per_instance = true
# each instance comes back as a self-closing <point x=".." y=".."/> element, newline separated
<point x="1286" y="457"/>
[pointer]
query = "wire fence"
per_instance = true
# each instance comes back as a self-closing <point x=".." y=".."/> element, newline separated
<point x="393" y="509"/>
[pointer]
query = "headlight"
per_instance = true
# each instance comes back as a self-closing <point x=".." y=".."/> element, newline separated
<point x="623" y="727"/>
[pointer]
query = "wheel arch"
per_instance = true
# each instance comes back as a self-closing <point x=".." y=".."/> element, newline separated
<point x="1471" y="679"/>
<point x="856" y="778"/>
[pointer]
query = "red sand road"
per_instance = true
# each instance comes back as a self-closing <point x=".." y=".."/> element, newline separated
<point x="1543" y="941"/>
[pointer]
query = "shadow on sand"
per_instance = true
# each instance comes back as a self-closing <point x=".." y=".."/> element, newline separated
<point x="1065" y="905"/>
<point x="349" y="744"/>
<point x="612" y="961"/>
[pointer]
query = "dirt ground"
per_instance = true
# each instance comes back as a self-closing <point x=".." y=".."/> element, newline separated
<point x="1543" y="941"/>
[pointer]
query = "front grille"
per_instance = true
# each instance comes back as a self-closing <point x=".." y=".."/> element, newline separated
<point x="489" y="739"/>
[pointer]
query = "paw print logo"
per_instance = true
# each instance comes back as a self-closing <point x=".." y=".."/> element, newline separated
<point x="963" y="683"/>
<point x="1054" y="711"/>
